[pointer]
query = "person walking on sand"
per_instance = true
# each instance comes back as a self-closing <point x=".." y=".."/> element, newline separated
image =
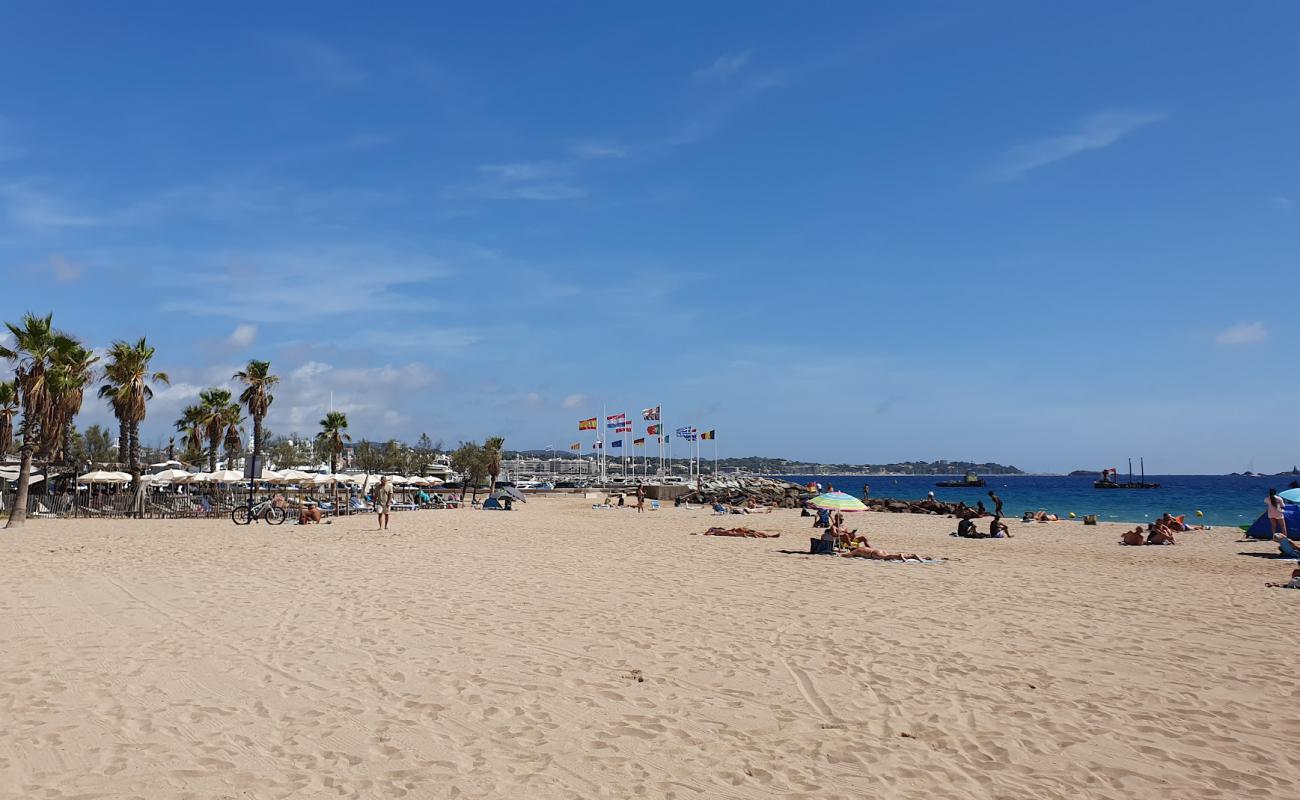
<point x="997" y="503"/>
<point x="1276" y="512"/>
<point x="383" y="501"/>
<point x="640" y="498"/>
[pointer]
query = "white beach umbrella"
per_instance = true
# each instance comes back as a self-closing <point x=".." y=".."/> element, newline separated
<point x="295" y="476"/>
<point x="100" y="476"/>
<point x="432" y="481"/>
<point x="327" y="480"/>
<point x="228" y="476"/>
<point x="171" y="476"/>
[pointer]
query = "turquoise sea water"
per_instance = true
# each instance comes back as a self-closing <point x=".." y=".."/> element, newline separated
<point x="1224" y="499"/>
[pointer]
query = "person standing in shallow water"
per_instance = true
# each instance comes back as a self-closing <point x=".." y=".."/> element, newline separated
<point x="997" y="503"/>
<point x="866" y="491"/>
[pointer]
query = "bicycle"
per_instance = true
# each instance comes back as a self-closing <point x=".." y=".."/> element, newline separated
<point x="267" y="510"/>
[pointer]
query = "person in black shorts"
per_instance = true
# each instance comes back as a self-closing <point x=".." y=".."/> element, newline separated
<point x="997" y="503"/>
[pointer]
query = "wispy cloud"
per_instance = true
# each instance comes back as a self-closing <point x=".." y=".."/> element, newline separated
<point x="598" y="150"/>
<point x="574" y="401"/>
<point x="1243" y="333"/>
<point x="9" y="147"/>
<point x="1098" y="131"/>
<point x="543" y="181"/>
<point x="318" y="62"/>
<point x="242" y="336"/>
<point x="299" y="283"/>
<point x="63" y="269"/>
<point x="29" y="206"/>
<point x="723" y="67"/>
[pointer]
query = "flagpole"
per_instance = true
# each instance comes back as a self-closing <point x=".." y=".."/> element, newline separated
<point x="715" y="455"/>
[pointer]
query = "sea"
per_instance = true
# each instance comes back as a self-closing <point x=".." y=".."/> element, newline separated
<point x="1221" y="499"/>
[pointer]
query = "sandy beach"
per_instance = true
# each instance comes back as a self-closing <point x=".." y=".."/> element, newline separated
<point x="560" y="651"/>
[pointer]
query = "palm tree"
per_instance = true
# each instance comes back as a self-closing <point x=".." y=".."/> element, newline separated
<point x="8" y="410"/>
<point x="256" y="397"/>
<point x="332" y="436"/>
<point x="35" y="345"/>
<point x="215" y="419"/>
<point x="233" y="445"/>
<point x="190" y="427"/>
<point x="492" y="456"/>
<point x="71" y="371"/>
<point x="126" y="388"/>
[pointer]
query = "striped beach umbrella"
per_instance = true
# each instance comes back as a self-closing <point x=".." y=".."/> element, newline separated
<point x="837" y="501"/>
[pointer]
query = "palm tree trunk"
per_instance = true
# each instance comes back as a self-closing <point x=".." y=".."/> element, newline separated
<point x="18" y="514"/>
<point x="212" y="453"/>
<point x="133" y="455"/>
<point x="123" y="441"/>
<point x="257" y="438"/>
<point x="67" y="442"/>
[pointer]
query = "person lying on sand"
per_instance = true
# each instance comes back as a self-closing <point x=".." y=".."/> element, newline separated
<point x="1043" y="516"/>
<point x="880" y="555"/>
<point x="746" y="533"/>
<point x="1294" y="583"/>
<point x="1134" y="538"/>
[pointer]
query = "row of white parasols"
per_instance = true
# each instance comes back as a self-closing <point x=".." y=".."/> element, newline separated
<point x="173" y="477"/>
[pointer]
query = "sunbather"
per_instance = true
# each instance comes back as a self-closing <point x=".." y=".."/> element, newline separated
<point x="1160" y="534"/>
<point x="881" y="555"/>
<point x="308" y="514"/>
<point x="1294" y="583"/>
<point x="1134" y="538"/>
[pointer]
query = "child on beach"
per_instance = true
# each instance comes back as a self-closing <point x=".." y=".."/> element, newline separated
<point x="1294" y="583"/>
<point x="1276" y="512"/>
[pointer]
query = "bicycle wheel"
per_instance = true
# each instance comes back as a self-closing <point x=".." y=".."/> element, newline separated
<point x="240" y="516"/>
<point x="275" y="515"/>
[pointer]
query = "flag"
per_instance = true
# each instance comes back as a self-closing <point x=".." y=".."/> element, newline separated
<point x="613" y="417"/>
<point x="681" y="432"/>
<point x="616" y="443"/>
<point x="587" y="424"/>
<point x="666" y="438"/>
<point x="652" y="429"/>
<point x="709" y="435"/>
<point x="649" y="414"/>
<point x="576" y="446"/>
<point x="638" y="442"/>
<point x="597" y="446"/>
<point x="620" y="427"/>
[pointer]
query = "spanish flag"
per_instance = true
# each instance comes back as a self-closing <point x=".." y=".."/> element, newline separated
<point x="587" y="424"/>
<point x="709" y="435"/>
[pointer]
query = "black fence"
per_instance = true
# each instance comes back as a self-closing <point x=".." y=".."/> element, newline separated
<point x="195" y="502"/>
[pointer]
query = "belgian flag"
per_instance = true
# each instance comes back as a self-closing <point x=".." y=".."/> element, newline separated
<point x="709" y="435"/>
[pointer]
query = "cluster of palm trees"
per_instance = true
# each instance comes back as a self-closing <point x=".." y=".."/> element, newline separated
<point x="53" y="370"/>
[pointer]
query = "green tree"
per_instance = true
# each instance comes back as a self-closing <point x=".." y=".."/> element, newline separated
<point x="73" y="370"/>
<point x="333" y="433"/>
<point x="98" y="444"/>
<point x="127" y="379"/>
<point x="256" y="397"/>
<point x="8" y="410"/>
<point x="492" y="458"/>
<point x="470" y="461"/>
<point x="218" y="412"/>
<point x="190" y="427"/>
<point x="32" y="355"/>
<point x="368" y="457"/>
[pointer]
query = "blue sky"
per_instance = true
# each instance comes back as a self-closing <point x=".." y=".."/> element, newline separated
<point x="1025" y="232"/>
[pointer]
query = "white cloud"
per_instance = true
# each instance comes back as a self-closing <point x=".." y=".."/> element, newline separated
<point x="9" y="147"/>
<point x="523" y="181"/>
<point x="27" y="206"/>
<point x="242" y="336"/>
<point x="723" y="67"/>
<point x="1098" y="131"/>
<point x="301" y="284"/>
<point x="319" y="62"/>
<point x="372" y="397"/>
<point x="64" y="271"/>
<point x="1243" y="333"/>
<point x="574" y="401"/>
<point x="599" y="150"/>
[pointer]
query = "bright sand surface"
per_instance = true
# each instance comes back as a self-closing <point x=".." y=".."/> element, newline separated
<point x="561" y="651"/>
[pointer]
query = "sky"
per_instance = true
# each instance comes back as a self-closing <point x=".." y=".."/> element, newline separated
<point x="1039" y="234"/>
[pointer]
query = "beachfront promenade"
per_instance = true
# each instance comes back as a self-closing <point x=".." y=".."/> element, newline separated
<point x="563" y="651"/>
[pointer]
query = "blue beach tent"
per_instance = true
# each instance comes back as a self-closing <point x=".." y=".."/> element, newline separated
<point x="1263" y="529"/>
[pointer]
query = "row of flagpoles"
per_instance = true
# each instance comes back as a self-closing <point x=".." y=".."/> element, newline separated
<point x="620" y="423"/>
